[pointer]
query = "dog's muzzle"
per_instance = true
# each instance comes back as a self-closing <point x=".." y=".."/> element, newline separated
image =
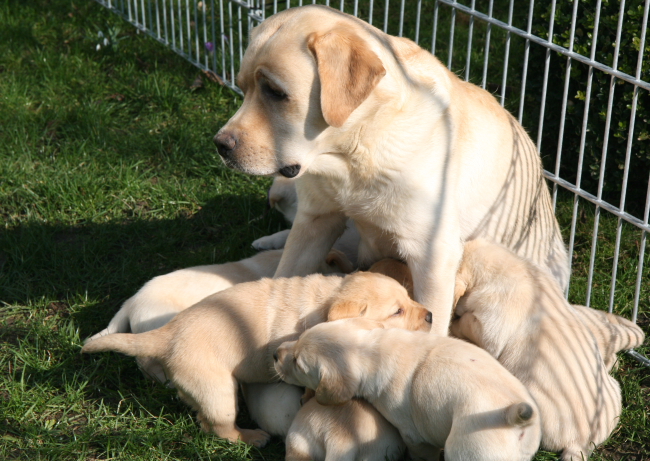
<point x="290" y="171"/>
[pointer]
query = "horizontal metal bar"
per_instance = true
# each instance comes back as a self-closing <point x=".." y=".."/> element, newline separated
<point x="596" y="201"/>
<point x="644" y="360"/>
<point x="540" y="41"/>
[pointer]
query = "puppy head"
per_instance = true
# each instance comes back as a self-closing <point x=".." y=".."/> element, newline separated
<point x="326" y="358"/>
<point x="379" y="297"/>
<point x="305" y="71"/>
<point x="396" y="270"/>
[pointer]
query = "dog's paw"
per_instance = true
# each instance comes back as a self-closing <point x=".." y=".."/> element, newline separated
<point x="271" y="242"/>
<point x="255" y="437"/>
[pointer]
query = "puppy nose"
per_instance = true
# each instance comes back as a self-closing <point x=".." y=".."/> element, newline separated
<point x="428" y="318"/>
<point x="275" y="356"/>
<point x="290" y="171"/>
<point x="225" y="143"/>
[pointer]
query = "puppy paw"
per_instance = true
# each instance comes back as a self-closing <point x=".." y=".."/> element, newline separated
<point x="255" y="437"/>
<point x="271" y="242"/>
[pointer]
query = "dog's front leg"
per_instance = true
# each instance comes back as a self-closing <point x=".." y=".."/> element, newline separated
<point x="434" y="273"/>
<point x="310" y="240"/>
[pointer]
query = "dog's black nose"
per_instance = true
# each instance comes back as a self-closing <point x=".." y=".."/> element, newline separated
<point x="225" y="143"/>
<point x="275" y="356"/>
<point x="290" y="171"/>
<point x="429" y="318"/>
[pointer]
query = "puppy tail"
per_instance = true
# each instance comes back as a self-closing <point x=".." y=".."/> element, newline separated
<point x="630" y="335"/>
<point x="149" y="344"/>
<point x="519" y="414"/>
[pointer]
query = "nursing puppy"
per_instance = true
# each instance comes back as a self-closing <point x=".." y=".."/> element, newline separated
<point x="161" y="298"/>
<point x="517" y="312"/>
<point x="230" y="336"/>
<point x="374" y="128"/>
<point x="354" y="431"/>
<point x="439" y="392"/>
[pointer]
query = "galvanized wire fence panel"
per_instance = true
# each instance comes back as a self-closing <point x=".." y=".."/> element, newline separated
<point x="572" y="72"/>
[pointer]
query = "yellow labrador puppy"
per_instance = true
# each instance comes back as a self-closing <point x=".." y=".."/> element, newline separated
<point x="230" y="337"/>
<point x="439" y="392"/>
<point x="374" y="128"/>
<point x="354" y="431"/>
<point x="518" y="313"/>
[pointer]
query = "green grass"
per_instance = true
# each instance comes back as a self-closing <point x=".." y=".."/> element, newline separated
<point x="108" y="177"/>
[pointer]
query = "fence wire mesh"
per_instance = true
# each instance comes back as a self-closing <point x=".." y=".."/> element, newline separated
<point x="571" y="71"/>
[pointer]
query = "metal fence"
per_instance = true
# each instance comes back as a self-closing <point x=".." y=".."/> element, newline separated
<point x="572" y="72"/>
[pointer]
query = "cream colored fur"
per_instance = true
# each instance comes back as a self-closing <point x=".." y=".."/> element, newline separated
<point x="376" y="129"/>
<point x="439" y="392"/>
<point x="518" y="313"/>
<point x="229" y="337"/>
<point x="354" y="431"/>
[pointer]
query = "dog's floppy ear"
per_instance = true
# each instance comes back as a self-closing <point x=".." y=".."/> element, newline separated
<point x="461" y="285"/>
<point x="348" y="71"/>
<point x="346" y="309"/>
<point x="333" y="389"/>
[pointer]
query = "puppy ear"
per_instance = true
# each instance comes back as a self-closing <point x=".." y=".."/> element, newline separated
<point x="348" y="71"/>
<point x="334" y="389"/>
<point x="339" y="259"/>
<point x="396" y="270"/>
<point x="346" y="309"/>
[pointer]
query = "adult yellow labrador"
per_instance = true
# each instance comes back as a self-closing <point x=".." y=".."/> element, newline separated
<point x="375" y="128"/>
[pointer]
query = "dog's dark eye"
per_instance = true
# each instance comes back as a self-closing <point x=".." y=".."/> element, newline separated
<point x="400" y="311"/>
<point x="273" y="92"/>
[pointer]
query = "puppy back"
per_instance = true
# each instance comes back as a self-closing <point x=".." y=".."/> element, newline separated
<point x="150" y="344"/>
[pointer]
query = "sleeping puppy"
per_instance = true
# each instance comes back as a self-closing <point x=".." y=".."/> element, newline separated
<point x="231" y="336"/>
<point x="374" y="128"/>
<point x="354" y="431"/>
<point x="439" y="392"/>
<point x="518" y="313"/>
<point x="161" y="298"/>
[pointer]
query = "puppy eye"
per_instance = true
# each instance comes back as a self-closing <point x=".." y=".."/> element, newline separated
<point x="273" y="92"/>
<point x="400" y="311"/>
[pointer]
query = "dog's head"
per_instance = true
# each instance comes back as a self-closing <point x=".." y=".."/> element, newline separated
<point x="305" y="72"/>
<point x="378" y="297"/>
<point x="326" y="358"/>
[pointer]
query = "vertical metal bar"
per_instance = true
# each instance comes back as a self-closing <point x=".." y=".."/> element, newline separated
<point x="487" y="45"/>
<point x="637" y="288"/>
<point x="470" y="32"/>
<point x="583" y="135"/>
<point x="214" y="40"/>
<point x="451" y="38"/>
<point x="356" y="7"/>
<point x="241" y="35"/>
<point x="435" y="28"/>
<point x="628" y="151"/>
<point x="603" y="158"/>
<point x="386" y="18"/>
<point x="506" y="57"/>
<point x="180" y="25"/>
<point x="417" y="22"/>
<point x="547" y="63"/>
<point x="196" y="31"/>
<point x="130" y="14"/>
<point x="189" y="29"/>
<point x="565" y="97"/>
<point x="372" y="3"/>
<point x="524" y="75"/>
<point x="158" y="18"/>
<point x="231" y="47"/>
<point x="275" y="6"/>
<point x="204" y="9"/>
<point x="223" y="41"/>
<point x="401" y="18"/>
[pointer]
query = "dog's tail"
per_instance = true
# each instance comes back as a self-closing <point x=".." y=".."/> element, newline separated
<point x="519" y="414"/>
<point x="149" y="344"/>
